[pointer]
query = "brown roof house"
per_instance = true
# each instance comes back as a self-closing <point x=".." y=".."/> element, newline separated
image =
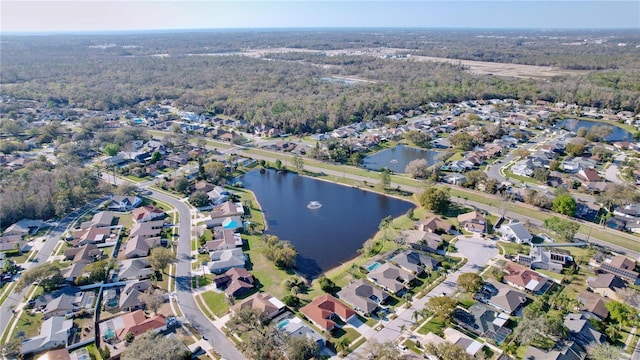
<point x="473" y="221"/>
<point x="324" y="309"/>
<point x="621" y="266"/>
<point x="422" y="240"/>
<point x="139" y="246"/>
<point x="147" y="213"/>
<point x="607" y="285"/>
<point x="433" y="224"/>
<point x="264" y="303"/>
<point x="524" y="279"/>
<point x="593" y="305"/>
<point x="234" y="282"/>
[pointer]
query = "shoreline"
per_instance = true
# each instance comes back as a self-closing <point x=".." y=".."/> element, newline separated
<point x="350" y="260"/>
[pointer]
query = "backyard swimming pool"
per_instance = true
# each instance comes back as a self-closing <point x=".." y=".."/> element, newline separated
<point x="372" y="266"/>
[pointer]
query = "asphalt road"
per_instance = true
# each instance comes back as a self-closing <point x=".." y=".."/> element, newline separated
<point x="52" y="237"/>
<point x="184" y="293"/>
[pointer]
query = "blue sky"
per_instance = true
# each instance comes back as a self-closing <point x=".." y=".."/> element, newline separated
<point x="89" y="15"/>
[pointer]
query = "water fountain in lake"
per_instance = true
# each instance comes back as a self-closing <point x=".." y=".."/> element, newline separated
<point x="313" y="205"/>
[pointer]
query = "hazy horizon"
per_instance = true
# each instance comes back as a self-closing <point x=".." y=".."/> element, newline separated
<point x="88" y="16"/>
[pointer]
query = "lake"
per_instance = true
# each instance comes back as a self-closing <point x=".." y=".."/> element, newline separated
<point x="398" y="157"/>
<point x="618" y="134"/>
<point x="327" y="236"/>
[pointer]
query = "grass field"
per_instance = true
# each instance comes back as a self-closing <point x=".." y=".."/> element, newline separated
<point x="216" y="302"/>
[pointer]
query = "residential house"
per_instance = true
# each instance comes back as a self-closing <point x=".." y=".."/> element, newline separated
<point x="91" y="235"/>
<point x="587" y="176"/>
<point x="139" y="246"/>
<point x="135" y="269"/>
<point x="546" y="258"/>
<point x="203" y="186"/>
<point x="263" y="303"/>
<point x="454" y="179"/>
<point x="134" y="322"/>
<point x="23" y="227"/>
<point x="415" y="262"/>
<point x="459" y="166"/>
<point x="234" y="282"/>
<point x="628" y="211"/>
<point x="463" y="341"/>
<point x="561" y="351"/>
<point x="473" y="221"/>
<point x="422" y="240"/>
<point x="622" y="266"/>
<point x="523" y="168"/>
<point x="524" y="279"/>
<point x="433" y="224"/>
<point x="224" y="260"/>
<point x="573" y="165"/>
<point x="57" y="354"/>
<point x="100" y="219"/>
<point x="65" y="301"/>
<point x="223" y="239"/>
<point x="85" y="254"/>
<point x="123" y="203"/>
<point x="515" y="232"/>
<point x="593" y="305"/>
<point x="502" y="296"/>
<point x="581" y="331"/>
<point x="218" y="195"/>
<point x="363" y="296"/>
<point x="607" y="285"/>
<point x="147" y="213"/>
<point x="147" y="229"/>
<point x="54" y="332"/>
<point x="483" y="321"/>
<point x="295" y="327"/>
<point x="13" y="242"/>
<point x="323" y="309"/>
<point x="227" y="209"/>
<point x="391" y="278"/>
<point x="130" y="295"/>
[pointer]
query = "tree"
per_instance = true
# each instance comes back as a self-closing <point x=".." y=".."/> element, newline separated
<point x="462" y="141"/>
<point x="385" y="178"/>
<point x="531" y="329"/>
<point x="152" y="299"/>
<point x="202" y="174"/>
<point x="280" y="252"/>
<point x="355" y="159"/>
<point x="298" y="163"/>
<point x="470" y="282"/>
<point x="160" y="257"/>
<point x="111" y="149"/>
<point x="387" y="350"/>
<point x="447" y="351"/>
<point x="199" y="199"/>
<point x="441" y="307"/>
<point x="129" y="337"/>
<point x="181" y="184"/>
<point x="105" y="353"/>
<point x="474" y="178"/>
<point x="575" y="149"/>
<point x="302" y="348"/>
<point x="554" y="165"/>
<point x="620" y="313"/>
<point x="541" y="174"/>
<point x="151" y="346"/>
<point x="278" y="164"/>
<point x="327" y="285"/>
<point x="342" y="344"/>
<point x="521" y="152"/>
<point x="598" y="133"/>
<point x="46" y="275"/>
<point x="435" y="199"/>
<point x="11" y="349"/>
<point x="564" y="229"/>
<point x="155" y="157"/>
<point x="603" y="352"/>
<point x="418" y="168"/>
<point x="215" y="171"/>
<point x="126" y="189"/>
<point x="418" y="138"/>
<point x="565" y="205"/>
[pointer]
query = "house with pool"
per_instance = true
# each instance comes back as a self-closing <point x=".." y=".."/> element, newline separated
<point x="325" y="309"/>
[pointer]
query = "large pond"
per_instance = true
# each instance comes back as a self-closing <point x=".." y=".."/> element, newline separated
<point x="329" y="233"/>
<point x="618" y="134"/>
<point x="398" y="157"/>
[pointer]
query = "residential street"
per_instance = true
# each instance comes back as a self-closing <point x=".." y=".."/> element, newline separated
<point x="478" y="252"/>
<point x="45" y="251"/>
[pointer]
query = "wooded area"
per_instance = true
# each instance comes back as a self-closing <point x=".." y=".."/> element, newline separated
<point x="289" y="90"/>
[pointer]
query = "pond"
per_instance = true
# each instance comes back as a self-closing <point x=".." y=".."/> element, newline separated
<point x="327" y="235"/>
<point x="397" y="158"/>
<point x="618" y="134"/>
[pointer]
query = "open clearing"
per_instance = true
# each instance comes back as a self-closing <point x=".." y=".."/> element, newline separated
<point x="502" y="69"/>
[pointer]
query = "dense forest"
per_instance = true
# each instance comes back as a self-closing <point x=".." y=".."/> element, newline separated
<point x="203" y="71"/>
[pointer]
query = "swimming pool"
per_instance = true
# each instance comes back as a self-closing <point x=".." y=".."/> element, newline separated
<point x="372" y="266"/>
<point x="109" y="334"/>
<point x="282" y="324"/>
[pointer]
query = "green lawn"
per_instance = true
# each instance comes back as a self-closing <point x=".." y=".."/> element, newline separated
<point x="349" y="333"/>
<point x="28" y="325"/>
<point x="216" y="302"/>
<point x="513" y="248"/>
<point x="433" y="326"/>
